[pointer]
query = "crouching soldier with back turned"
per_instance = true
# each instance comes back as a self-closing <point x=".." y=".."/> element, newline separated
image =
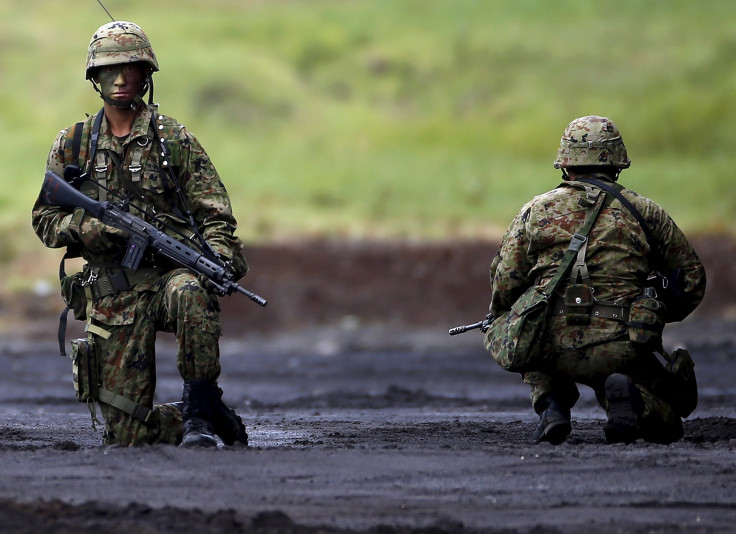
<point x="605" y="309"/>
<point x="127" y="149"/>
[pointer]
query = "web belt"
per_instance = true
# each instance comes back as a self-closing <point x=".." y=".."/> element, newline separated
<point x="605" y="310"/>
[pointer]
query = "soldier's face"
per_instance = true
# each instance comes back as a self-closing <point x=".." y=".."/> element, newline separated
<point x="120" y="82"/>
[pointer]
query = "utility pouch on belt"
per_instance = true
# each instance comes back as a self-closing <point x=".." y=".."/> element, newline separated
<point x="578" y="300"/>
<point x="72" y="292"/>
<point x="646" y="321"/>
<point x="84" y="370"/>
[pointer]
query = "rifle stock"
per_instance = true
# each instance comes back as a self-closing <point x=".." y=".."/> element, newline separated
<point x="58" y="192"/>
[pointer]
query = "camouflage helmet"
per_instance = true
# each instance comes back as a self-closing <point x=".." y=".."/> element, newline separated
<point x="117" y="43"/>
<point x="592" y="140"/>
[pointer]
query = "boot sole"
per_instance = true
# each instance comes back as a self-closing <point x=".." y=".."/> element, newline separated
<point x="200" y="442"/>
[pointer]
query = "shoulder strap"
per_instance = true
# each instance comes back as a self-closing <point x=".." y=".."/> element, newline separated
<point x="95" y="135"/>
<point x="166" y="164"/>
<point x="77" y="141"/>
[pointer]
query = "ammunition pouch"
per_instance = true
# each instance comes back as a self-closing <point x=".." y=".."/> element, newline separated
<point x="86" y="378"/>
<point x="85" y="372"/>
<point x="646" y="322"/>
<point x="600" y="309"/>
<point x="578" y="300"/>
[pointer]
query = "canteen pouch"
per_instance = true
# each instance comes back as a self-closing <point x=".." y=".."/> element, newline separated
<point x="515" y="338"/>
<point x="646" y="322"/>
<point x="72" y="291"/>
<point x="578" y="300"/>
<point x="84" y="370"/>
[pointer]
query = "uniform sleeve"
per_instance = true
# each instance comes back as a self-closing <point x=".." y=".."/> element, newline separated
<point x="209" y="201"/>
<point x="512" y="264"/>
<point x="54" y="226"/>
<point x="672" y="251"/>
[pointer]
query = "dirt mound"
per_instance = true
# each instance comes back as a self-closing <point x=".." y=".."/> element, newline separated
<point x="397" y="284"/>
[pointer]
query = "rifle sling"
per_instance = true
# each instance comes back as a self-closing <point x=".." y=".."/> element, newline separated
<point x="616" y="192"/>
<point x="577" y="242"/>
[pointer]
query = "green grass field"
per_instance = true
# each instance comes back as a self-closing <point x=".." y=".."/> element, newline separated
<point x="393" y="118"/>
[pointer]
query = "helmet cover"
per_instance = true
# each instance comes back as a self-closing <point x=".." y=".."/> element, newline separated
<point x="592" y="141"/>
<point x="117" y="43"/>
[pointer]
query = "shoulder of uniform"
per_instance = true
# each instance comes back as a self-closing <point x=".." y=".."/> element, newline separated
<point x="639" y="200"/>
<point x="86" y="125"/>
<point x="551" y="195"/>
<point x="166" y="121"/>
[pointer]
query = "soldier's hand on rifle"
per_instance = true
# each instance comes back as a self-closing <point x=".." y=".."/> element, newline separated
<point x="100" y="238"/>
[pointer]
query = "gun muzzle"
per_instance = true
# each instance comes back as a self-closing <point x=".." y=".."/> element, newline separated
<point x="463" y="329"/>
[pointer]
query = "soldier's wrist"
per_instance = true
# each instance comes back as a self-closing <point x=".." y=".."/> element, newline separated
<point x="75" y="222"/>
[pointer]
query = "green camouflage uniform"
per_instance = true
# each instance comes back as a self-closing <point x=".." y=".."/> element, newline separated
<point x="163" y="298"/>
<point x="619" y="260"/>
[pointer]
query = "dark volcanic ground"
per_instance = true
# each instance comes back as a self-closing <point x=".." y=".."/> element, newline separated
<point x="365" y="416"/>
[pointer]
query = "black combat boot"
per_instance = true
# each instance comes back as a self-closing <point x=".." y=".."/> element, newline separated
<point x="225" y="422"/>
<point x="228" y="424"/>
<point x="198" y="401"/>
<point x="554" y="421"/>
<point x="624" y="410"/>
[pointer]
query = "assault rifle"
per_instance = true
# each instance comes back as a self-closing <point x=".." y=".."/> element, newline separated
<point x="484" y="325"/>
<point x="56" y="191"/>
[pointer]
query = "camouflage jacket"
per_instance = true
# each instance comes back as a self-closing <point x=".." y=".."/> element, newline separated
<point x="619" y="257"/>
<point x="132" y="168"/>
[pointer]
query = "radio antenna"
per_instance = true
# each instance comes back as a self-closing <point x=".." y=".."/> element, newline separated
<point x="106" y="11"/>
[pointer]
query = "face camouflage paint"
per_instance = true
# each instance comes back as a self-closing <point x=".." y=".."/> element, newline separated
<point x="119" y="84"/>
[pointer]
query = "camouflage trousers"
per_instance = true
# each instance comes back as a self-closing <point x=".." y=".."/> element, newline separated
<point x="588" y="355"/>
<point x="178" y="304"/>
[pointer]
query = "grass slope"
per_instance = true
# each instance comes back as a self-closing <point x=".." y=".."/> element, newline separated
<point x="401" y="118"/>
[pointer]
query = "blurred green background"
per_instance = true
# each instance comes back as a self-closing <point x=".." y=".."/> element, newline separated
<point x="400" y="119"/>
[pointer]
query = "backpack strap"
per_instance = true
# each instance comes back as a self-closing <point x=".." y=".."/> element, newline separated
<point x="77" y="140"/>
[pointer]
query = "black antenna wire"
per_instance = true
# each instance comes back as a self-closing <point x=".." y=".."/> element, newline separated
<point x="106" y="11"/>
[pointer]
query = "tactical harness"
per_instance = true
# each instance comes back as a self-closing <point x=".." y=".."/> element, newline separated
<point x="578" y="303"/>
